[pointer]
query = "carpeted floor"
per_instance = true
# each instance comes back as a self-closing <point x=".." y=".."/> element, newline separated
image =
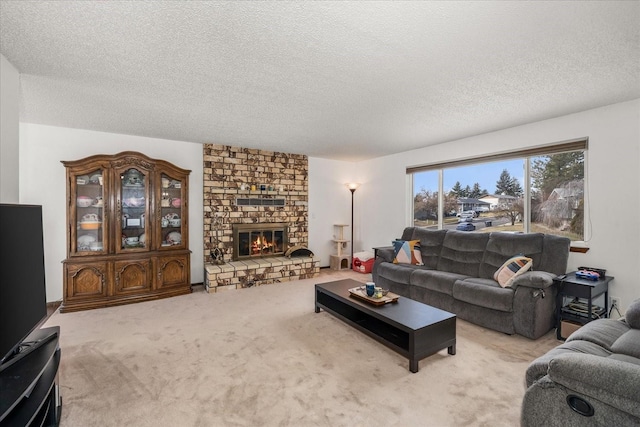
<point x="262" y="357"/>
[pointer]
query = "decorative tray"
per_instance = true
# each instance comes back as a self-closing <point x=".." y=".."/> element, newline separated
<point x="361" y="293"/>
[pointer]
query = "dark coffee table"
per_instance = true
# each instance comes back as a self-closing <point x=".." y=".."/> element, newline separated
<point x="411" y="328"/>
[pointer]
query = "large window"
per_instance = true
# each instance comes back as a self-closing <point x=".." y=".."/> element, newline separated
<point x="538" y="190"/>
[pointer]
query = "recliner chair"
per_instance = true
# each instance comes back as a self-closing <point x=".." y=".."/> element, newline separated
<point x="592" y="379"/>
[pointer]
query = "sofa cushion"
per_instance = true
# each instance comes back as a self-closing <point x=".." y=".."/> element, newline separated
<point x="538" y="368"/>
<point x="628" y="343"/>
<point x="502" y="246"/>
<point x="462" y="252"/>
<point x="625" y="358"/>
<point x="555" y="254"/>
<point x="603" y="332"/>
<point x="439" y="281"/>
<point x="407" y="252"/>
<point x="399" y="273"/>
<point x="484" y="293"/>
<point x="511" y="269"/>
<point x="407" y="233"/>
<point x="430" y="244"/>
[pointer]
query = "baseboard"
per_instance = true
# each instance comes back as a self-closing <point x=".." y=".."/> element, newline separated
<point x="52" y="307"/>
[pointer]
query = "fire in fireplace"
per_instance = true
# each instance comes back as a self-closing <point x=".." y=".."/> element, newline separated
<point x="259" y="240"/>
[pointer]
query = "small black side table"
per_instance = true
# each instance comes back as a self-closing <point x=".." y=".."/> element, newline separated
<point x="571" y="286"/>
<point x="375" y="250"/>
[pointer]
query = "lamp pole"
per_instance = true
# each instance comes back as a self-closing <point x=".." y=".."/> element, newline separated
<point x="352" y="187"/>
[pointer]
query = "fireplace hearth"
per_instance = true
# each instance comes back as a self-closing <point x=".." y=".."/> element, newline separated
<point x="259" y="240"/>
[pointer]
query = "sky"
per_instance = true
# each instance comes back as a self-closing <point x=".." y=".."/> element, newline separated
<point x="486" y="174"/>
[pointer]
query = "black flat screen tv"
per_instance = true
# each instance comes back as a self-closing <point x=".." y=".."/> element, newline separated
<point x="23" y="299"/>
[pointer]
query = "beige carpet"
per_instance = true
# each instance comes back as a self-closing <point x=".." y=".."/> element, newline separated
<point x="262" y="357"/>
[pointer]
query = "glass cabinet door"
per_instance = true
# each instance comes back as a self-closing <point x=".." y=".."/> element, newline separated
<point x="133" y="200"/>
<point x="89" y="214"/>
<point x="171" y="210"/>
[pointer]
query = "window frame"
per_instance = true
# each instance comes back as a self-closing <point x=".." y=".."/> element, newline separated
<point x="578" y="144"/>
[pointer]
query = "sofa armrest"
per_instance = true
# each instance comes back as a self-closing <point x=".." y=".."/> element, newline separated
<point x="534" y="279"/>
<point x="610" y="381"/>
<point x="386" y="254"/>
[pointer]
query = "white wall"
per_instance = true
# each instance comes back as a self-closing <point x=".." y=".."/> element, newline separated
<point x="42" y="182"/>
<point x="9" y="131"/>
<point x="613" y="179"/>
<point x="330" y="203"/>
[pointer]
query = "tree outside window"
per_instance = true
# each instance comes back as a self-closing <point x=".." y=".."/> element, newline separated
<point x="425" y="200"/>
<point x="557" y="194"/>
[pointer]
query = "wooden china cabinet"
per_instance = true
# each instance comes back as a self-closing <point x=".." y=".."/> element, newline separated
<point x="127" y="231"/>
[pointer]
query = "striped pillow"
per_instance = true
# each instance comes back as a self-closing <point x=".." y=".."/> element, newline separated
<point x="511" y="269"/>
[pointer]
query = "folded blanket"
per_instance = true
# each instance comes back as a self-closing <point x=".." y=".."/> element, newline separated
<point x="363" y="256"/>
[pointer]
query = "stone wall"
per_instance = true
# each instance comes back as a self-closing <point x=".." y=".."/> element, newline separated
<point x="264" y="174"/>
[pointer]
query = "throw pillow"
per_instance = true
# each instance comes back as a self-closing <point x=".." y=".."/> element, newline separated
<point x="407" y="252"/>
<point x="511" y="269"/>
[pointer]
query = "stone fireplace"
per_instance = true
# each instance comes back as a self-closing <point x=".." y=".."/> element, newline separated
<point x="254" y="194"/>
<point x="259" y="240"/>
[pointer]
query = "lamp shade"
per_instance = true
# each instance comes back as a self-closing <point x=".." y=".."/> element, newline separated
<point x="352" y="186"/>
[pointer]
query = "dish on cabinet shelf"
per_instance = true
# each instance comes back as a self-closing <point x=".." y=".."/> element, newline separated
<point x="84" y="201"/>
<point x="133" y="178"/>
<point x="90" y="222"/>
<point x="174" y="238"/>
<point x="85" y="240"/>
<point x="90" y="225"/>
<point x="133" y="202"/>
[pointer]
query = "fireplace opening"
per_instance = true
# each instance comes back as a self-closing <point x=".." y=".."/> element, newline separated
<point x="259" y="240"/>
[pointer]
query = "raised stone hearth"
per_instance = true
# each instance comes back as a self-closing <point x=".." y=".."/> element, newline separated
<point x="247" y="273"/>
<point x="249" y="186"/>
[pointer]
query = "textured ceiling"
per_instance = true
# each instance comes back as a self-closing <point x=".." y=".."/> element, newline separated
<point x="341" y="80"/>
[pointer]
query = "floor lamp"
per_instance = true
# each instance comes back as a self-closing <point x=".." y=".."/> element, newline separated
<point x="352" y="187"/>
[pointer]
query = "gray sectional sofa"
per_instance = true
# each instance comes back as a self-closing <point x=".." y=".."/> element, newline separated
<point x="593" y="379"/>
<point x="457" y="276"/>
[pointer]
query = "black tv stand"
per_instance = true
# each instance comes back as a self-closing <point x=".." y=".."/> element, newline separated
<point x="26" y="347"/>
<point x="29" y="394"/>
